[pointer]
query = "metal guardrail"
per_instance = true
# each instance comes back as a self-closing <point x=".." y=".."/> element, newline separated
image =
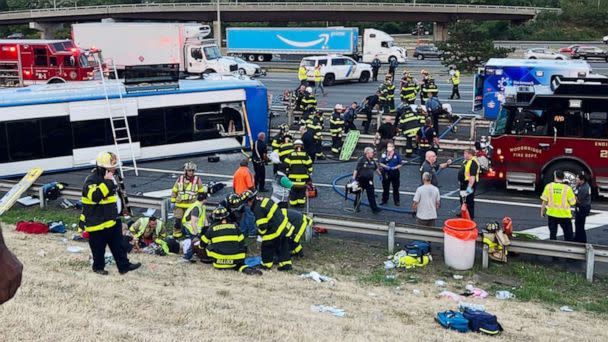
<point x="458" y="8"/>
<point x="590" y="253"/>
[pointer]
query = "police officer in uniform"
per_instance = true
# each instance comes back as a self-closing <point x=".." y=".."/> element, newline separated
<point x="299" y="169"/>
<point x="455" y="80"/>
<point x="364" y="175"/>
<point x="468" y="177"/>
<point x="336" y="129"/>
<point x="101" y="208"/>
<point x="225" y="244"/>
<point x="426" y="138"/>
<point x="557" y="199"/>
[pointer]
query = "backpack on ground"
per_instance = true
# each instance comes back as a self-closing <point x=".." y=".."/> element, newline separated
<point x="56" y="227"/>
<point x="453" y="320"/>
<point x="483" y="322"/>
<point x="418" y="248"/>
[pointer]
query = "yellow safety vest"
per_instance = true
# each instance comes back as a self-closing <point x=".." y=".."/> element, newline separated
<point x="302" y="73"/>
<point x="143" y="225"/>
<point x="467" y="169"/>
<point x="317" y="75"/>
<point x="202" y="210"/>
<point x="559" y="198"/>
<point x="456" y="78"/>
<point x="184" y="193"/>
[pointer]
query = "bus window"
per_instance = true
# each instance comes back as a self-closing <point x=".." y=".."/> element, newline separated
<point x="208" y="125"/>
<point x="595" y="125"/>
<point x="3" y="143"/>
<point x="40" y="57"/>
<point x="178" y="123"/>
<point x="233" y="121"/>
<point x="151" y="124"/>
<point x="24" y="140"/>
<point x="91" y="133"/>
<point x="55" y="133"/>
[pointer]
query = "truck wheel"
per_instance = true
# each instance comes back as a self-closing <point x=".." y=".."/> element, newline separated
<point x="209" y="71"/>
<point x="364" y="78"/>
<point x="251" y="58"/>
<point x="261" y="58"/>
<point x="570" y="168"/>
<point x="329" y="80"/>
<point x="242" y="72"/>
<point x="420" y="57"/>
<point x="392" y="58"/>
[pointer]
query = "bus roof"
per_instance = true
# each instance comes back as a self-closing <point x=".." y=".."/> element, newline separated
<point x="516" y="62"/>
<point x="93" y="90"/>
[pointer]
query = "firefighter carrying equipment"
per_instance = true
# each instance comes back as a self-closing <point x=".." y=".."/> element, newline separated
<point x="99" y="203"/>
<point x="497" y="241"/>
<point x="559" y="198"/>
<point x="200" y="223"/>
<point x="225" y="245"/>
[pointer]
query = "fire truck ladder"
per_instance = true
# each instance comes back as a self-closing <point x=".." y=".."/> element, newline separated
<point x="118" y="116"/>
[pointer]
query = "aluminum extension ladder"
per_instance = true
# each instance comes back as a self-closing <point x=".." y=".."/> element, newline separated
<point x="117" y="114"/>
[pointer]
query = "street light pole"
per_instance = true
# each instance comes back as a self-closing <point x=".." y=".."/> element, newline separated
<point x="218" y="25"/>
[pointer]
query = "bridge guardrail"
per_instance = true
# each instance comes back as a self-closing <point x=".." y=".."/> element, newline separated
<point x="590" y="253"/>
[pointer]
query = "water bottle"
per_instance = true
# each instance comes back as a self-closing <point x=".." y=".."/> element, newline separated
<point x="389" y="270"/>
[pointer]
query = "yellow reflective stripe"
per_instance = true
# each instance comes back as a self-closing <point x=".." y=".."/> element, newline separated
<point x="223" y="266"/>
<point x="242" y="268"/>
<point x="108" y="200"/>
<point x="297" y="249"/>
<point x="227" y="238"/>
<point x="278" y="232"/>
<point x="205" y="239"/>
<point x="101" y="226"/>
<point x="301" y="230"/>
<point x="284" y="263"/>
<point x="267" y="264"/>
<point x="104" y="189"/>
<point x="226" y="256"/>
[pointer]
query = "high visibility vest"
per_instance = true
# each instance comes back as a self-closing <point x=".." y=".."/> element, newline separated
<point x="559" y="198"/>
<point x="318" y="77"/>
<point x="202" y="214"/>
<point x="143" y="225"/>
<point x="456" y="78"/>
<point x="302" y="73"/>
<point x="467" y="169"/>
<point x="184" y="192"/>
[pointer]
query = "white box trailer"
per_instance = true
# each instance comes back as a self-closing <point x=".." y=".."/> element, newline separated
<point x="154" y="43"/>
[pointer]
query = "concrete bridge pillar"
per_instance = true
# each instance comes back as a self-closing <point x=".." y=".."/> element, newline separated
<point x="47" y="30"/>
<point x="440" y="31"/>
<point x="217" y="32"/>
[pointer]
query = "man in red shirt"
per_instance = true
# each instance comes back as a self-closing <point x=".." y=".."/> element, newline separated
<point x="241" y="182"/>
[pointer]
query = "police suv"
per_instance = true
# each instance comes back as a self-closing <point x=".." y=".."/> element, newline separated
<point x="337" y="68"/>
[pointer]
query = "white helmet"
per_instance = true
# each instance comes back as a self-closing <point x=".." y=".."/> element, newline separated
<point x="190" y="166"/>
<point x="339" y="107"/>
<point x="298" y="142"/>
<point x="308" y="89"/>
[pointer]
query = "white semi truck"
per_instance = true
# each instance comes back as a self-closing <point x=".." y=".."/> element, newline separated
<point x="127" y="44"/>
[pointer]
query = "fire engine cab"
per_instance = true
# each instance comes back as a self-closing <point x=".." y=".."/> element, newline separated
<point x="25" y="62"/>
<point x="541" y="129"/>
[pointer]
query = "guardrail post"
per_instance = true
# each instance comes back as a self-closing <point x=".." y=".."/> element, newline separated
<point x="164" y="210"/>
<point x="590" y="259"/>
<point x="308" y="232"/>
<point x="485" y="257"/>
<point x="391" y="237"/>
<point x="41" y="197"/>
<point x="473" y="133"/>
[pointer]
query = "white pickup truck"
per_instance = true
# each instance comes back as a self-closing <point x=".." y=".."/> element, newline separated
<point x="337" y="68"/>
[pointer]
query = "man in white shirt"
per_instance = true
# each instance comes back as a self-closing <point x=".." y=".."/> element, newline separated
<point x="426" y="202"/>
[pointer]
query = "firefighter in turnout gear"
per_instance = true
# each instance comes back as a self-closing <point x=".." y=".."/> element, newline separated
<point x="429" y="86"/>
<point x="309" y="104"/>
<point x="275" y="229"/>
<point x="100" y="215"/>
<point x="300" y="222"/>
<point x="194" y="223"/>
<point x="184" y="194"/>
<point x="277" y="141"/>
<point x="316" y="124"/>
<point x="286" y="148"/>
<point x="299" y="169"/>
<point x="408" y="90"/>
<point x="409" y="124"/>
<point x="225" y="244"/>
<point x="387" y="95"/>
<point x="336" y="129"/>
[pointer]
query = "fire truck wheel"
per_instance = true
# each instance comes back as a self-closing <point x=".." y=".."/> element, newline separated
<point x="56" y="80"/>
<point x="570" y="168"/>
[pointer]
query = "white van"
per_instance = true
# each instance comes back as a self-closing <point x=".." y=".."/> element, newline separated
<point x="337" y="68"/>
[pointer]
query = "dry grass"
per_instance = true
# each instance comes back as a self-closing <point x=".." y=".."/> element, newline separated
<point x="62" y="300"/>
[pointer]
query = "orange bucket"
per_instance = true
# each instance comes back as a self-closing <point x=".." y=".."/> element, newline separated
<point x="462" y="229"/>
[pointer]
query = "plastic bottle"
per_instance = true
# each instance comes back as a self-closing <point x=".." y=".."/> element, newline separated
<point x="389" y="270"/>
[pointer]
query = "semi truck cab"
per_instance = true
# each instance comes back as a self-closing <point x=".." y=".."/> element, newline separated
<point x="204" y="57"/>
<point x="382" y="45"/>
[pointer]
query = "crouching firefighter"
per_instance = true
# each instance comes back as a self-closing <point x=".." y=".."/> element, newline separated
<point x="193" y="225"/>
<point x="300" y="222"/>
<point x="275" y="229"/>
<point x="183" y="194"/>
<point x="148" y="230"/>
<point x="224" y="244"/>
<point x="100" y="215"/>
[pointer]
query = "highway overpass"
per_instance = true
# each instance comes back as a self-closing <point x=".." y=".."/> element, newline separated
<point x="46" y="19"/>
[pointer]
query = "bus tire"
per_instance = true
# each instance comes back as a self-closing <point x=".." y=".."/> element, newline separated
<point x="571" y="169"/>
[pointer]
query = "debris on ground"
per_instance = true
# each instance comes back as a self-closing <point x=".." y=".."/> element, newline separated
<point x="475" y="292"/>
<point x="458" y="276"/>
<point x="477" y="307"/>
<point x="450" y="295"/>
<point x="566" y="308"/>
<point x="75" y="249"/>
<point x="319" y="278"/>
<point x="504" y="295"/>
<point x="440" y="283"/>
<point x="329" y="309"/>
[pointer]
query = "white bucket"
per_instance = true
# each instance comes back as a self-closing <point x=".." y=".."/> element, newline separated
<point x="458" y="254"/>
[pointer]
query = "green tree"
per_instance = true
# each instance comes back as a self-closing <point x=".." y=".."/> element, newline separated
<point x="468" y="46"/>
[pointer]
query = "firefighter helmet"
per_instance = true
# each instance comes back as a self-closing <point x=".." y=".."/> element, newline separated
<point x="219" y="213"/>
<point x="309" y="90"/>
<point x="298" y="142"/>
<point x="248" y="195"/>
<point x="107" y="160"/>
<point x="190" y="166"/>
<point x="234" y="201"/>
<point x="284" y="128"/>
<point x="338" y="107"/>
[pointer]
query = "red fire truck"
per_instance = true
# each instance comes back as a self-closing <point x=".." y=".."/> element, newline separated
<point x="31" y="61"/>
<point x="544" y="128"/>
